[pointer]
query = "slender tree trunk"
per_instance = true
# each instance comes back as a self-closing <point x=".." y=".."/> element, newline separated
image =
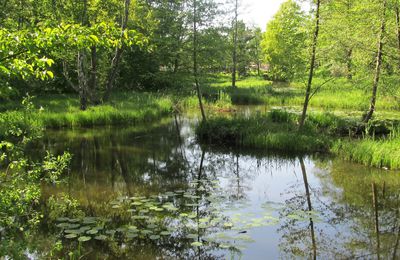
<point x="195" y="65"/>
<point x="305" y="180"/>
<point x="82" y="82"/>
<point x="235" y="39"/>
<point x="378" y="66"/>
<point x="112" y="74"/>
<point x="398" y="29"/>
<point x="81" y="68"/>
<point x="312" y="65"/>
<point x="93" y="74"/>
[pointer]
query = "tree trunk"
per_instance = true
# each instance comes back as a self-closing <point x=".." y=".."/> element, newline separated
<point x="92" y="86"/>
<point x="117" y="56"/>
<point x="195" y="65"/>
<point x="312" y="65"/>
<point x="82" y="82"/>
<point x="378" y="66"/>
<point x="398" y="29"/>
<point x="235" y="36"/>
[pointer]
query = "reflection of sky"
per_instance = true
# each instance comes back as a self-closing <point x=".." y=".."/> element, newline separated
<point x="267" y="183"/>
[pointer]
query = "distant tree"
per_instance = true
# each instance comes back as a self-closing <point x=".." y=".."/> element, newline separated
<point x="284" y="42"/>
<point x="255" y="48"/>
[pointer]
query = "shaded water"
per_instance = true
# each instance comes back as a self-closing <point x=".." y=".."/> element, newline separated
<point x="219" y="203"/>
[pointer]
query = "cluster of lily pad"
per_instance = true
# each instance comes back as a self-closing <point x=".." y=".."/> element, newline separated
<point x="197" y="216"/>
<point x="83" y="229"/>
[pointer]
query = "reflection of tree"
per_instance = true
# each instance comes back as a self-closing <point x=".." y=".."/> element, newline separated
<point x="115" y="161"/>
<point x="370" y="215"/>
<point x="299" y="235"/>
<point x="304" y="173"/>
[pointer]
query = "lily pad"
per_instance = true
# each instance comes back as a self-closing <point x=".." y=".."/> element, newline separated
<point x="154" y="237"/>
<point x="73" y="231"/>
<point x="131" y="235"/>
<point x="70" y="236"/>
<point x="92" y="232"/>
<point x="196" y="244"/>
<point x="100" y="237"/>
<point x="62" y="219"/>
<point x="84" y="238"/>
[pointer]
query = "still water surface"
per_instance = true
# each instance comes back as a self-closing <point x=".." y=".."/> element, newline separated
<point x="220" y="202"/>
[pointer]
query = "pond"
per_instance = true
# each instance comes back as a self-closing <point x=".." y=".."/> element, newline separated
<point x="151" y="191"/>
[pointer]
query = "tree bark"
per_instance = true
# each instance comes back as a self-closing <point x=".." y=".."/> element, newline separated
<point x="195" y="65"/>
<point x="235" y="39"/>
<point x="377" y="67"/>
<point x="82" y="82"/>
<point x="92" y="86"/>
<point x="117" y="56"/>
<point x="312" y="65"/>
<point x="398" y="29"/>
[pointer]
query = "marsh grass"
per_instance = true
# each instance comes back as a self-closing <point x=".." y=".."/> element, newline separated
<point x="370" y="151"/>
<point x="277" y="131"/>
<point x="324" y="132"/>
<point x="58" y="111"/>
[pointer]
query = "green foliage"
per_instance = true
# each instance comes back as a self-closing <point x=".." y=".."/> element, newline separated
<point x="284" y="43"/>
<point x="62" y="205"/>
<point x="20" y="178"/>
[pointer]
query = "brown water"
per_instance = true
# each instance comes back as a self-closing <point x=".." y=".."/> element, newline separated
<point x="217" y="202"/>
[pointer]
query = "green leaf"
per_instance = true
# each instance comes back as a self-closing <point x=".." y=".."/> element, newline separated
<point x="154" y="237"/>
<point x="101" y="237"/>
<point x="50" y="74"/>
<point x="84" y="238"/>
<point x="70" y="236"/>
<point x="196" y="244"/>
<point x="94" y="38"/>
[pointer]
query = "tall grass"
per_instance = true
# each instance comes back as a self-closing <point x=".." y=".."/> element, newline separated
<point x="58" y="111"/>
<point x="338" y="94"/>
<point x="370" y="151"/>
<point x="323" y="132"/>
<point x="275" y="132"/>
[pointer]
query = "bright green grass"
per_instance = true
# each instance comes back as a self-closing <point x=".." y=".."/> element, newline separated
<point x="58" y="111"/>
<point x="275" y="132"/>
<point x="370" y="152"/>
<point x="337" y="94"/>
<point x="324" y="132"/>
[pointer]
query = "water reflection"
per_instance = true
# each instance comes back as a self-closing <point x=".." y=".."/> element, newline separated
<point x="260" y="205"/>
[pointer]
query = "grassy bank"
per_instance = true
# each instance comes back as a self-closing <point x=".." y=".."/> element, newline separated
<point x="277" y="131"/>
<point x="256" y="90"/>
<point x="381" y="153"/>
<point x="58" y="111"/>
<point x="323" y="132"/>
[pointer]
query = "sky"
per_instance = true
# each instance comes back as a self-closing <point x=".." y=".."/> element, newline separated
<point x="259" y="12"/>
